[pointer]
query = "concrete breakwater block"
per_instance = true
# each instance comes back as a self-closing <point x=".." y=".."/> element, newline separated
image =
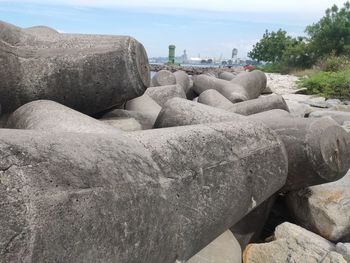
<point x="46" y="115"/>
<point x="162" y="94"/>
<point x="61" y="192"/>
<point x="163" y="78"/>
<point x="89" y="73"/>
<point x="249" y="107"/>
<point x="318" y="149"/>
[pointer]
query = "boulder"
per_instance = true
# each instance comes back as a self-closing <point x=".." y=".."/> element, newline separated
<point x="226" y="75"/>
<point x="146" y="120"/>
<point x="184" y="80"/>
<point x="292" y="243"/>
<point x="124" y="124"/>
<point x="88" y="73"/>
<point x="214" y="98"/>
<point x="134" y="194"/>
<point x="324" y="209"/>
<point x="163" y="78"/>
<point x="253" y="83"/>
<point x="224" y="249"/>
<point x="162" y="94"/>
<point x="46" y="115"/>
<point x="344" y="250"/>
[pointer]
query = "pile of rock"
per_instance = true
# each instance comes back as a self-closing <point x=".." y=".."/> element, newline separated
<point x="96" y="166"/>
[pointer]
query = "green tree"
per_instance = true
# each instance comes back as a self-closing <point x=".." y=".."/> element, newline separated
<point x="332" y="32"/>
<point x="298" y="55"/>
<point x="271" y="47"/>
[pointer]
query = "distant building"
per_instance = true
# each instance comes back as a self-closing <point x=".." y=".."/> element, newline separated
<point x="171" y="59"/>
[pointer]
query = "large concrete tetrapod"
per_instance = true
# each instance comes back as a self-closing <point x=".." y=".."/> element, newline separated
<point x="89" y="73"/>
<point x="249" y="107"/>
<point x="154" y="196"/>
<point x="318" y="149"/>
<point x="254" y="83"/>
<point x="45" y="115"/>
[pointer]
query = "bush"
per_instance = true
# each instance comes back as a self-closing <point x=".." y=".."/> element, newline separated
<point x="334" y="63"/>
<point x="270" y="68"/>
<point x="328" y="84"/>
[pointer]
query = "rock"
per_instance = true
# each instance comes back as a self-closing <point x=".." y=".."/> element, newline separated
<point x="324" y="209"/>
<point x="214" y="98"/>
<point x="318" y="149"/>
<point x="267" y="90"/>
<point x="300" y="91"/>
<point x="341" y="108"/>
<point x="162" y="94"/>
<point x="346" y="126"/>
<point x="186" y="83"/>
<point x="339" y="116"/>
<point x="344" y="250"/>
<point x="292" y="244"/>
<point x="46" y="115"/>
<point x="61" y="192"/>
<point x="144" y="105"/>
<point x="253" y="83"/>
<point x="333" y="102"/>
<point x="88" y="73"/>
<point x="163" y="78"/>
<point x="282" y="84"/>
<point x="146" y="120"/>
<point x="298" y="109"/>
<point x="224" y="249"/>
<point x="124" y="124"/>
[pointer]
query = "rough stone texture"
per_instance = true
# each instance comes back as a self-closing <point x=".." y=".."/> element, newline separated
<point x="124" y="124"/>
<point x="324" y="209"/>
<point x="318" y="149"/>
<point x="46" y="115"/>
<point x="162" y="94"/>
<point x="224" y="249"/>
<point x="341" y="108"/>
<point x="281" y="84"/>
<point x="146" y="120"/>
<point x="184" y="80"/>
<point x="338" y="116"/>
<point x="144" y="105"/>
<point x="344" y="250"/>
<point x="253" y="83"/>
<point x="249" y="228"/>
<point x="298" y="109"/>
<point x="89" y="73"/>
<point x="215" y="99"/>
<point x="163" y="78"/>
<point x="293" y="244"/>
<point x="232" y="91"/>
<point x="136" y="195"/>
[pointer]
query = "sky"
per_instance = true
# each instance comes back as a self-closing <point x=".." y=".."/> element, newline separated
<point x="209" y="28"/>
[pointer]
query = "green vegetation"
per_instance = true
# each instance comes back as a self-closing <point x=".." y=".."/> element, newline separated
<point x="328" y="84"/>
<point x="322" y="57"/>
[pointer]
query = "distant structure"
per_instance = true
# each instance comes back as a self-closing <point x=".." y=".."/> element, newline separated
<point x="234" y="56"/>
<point x="171" y="59"/>
<point x="184" y="57"/>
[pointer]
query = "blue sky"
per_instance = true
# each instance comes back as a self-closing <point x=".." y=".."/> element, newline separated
<point x="209" y="28"/>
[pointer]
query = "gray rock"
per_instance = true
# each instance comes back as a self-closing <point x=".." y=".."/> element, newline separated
<point x="124" y="124"/>
<point x="184" y="80"/>
<point x="89" y="73"/>
<point x="318" y="149"/>
<point x="214" y="98"/>
<point x="146" y="120"/>
<point x="136" y="195"/>
<point x="333" y="102"/>
<point x="227" y="76"/>
<point x="293" y="244"/>
<point x="253" y="83"/>
<point x="162" y="94"/>
<point x="338" y="116"/>
<point x="163" y="78"/>
<point x="324" y="209"/>
<point x="341" y="108"/>
<point x="344" y="250"/>
<point x="224" y="249"/>
<point x="144" y="105"/>
<point x="45" y="115"/>
<point x="298" y="109"/>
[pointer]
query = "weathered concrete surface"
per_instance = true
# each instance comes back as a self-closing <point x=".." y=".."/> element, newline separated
<point x="162" y="94"/>
<point x="293" y="244"/>
<point x="46" y="115"/>
<point x="185" y="81"/>
<point x="249" y="228"/>
<point x="338" y="116"/>
<point x="146" y="120"/>
<point x="163" y="78"/>
<point x="215" y="99"/>
<point x="89" y="73"/>
<point x="318" y="149"/>
<point x="233" y="92"/>
<point x="144" y="105"/>
<point x="253" y="83"/>
<point x="136" y="195"/>
<point x="224" y="249"/>
<point x="124" y="124"/>
<point x="227" y="75"/>
<point x="324" y="209"/>
<point x="344" y="250"/>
